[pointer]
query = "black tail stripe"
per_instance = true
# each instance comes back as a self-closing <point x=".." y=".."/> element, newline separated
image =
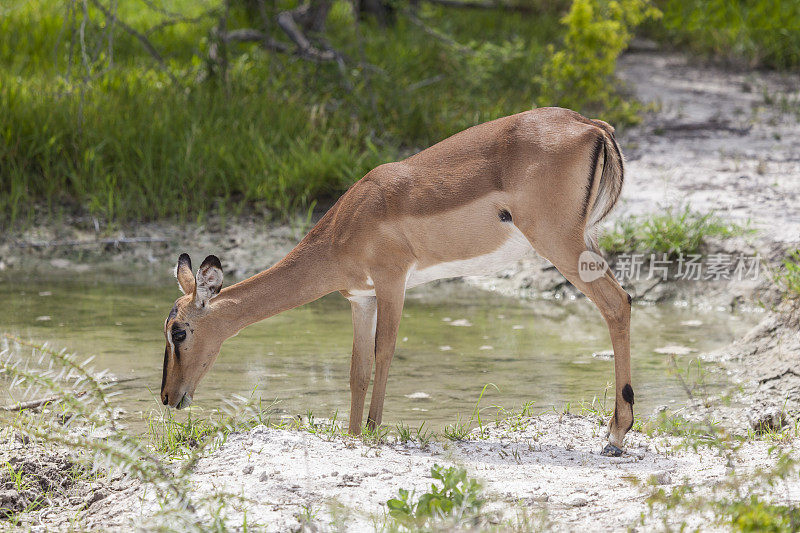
<point x="598" y="145"/>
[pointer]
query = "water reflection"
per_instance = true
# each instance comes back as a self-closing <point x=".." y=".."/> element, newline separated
<point x="453" y="340"/>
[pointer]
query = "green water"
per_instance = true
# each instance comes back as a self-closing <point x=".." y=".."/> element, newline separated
<point x="531" y="350"/>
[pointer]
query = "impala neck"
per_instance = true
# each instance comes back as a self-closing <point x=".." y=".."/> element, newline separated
<point x="307" y="273"/>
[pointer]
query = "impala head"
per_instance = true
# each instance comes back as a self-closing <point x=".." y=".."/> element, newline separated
<point x="193" y="338"/>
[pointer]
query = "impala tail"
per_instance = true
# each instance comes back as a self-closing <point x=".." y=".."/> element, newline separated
<point x="610" y="186"/>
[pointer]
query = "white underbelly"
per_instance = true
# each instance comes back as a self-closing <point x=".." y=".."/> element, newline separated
<point x="511" y="251"/>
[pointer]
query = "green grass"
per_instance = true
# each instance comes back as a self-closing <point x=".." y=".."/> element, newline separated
<point x="676" y="231"/>
<point x="129" y="145"/>
<point x="763" y="33"/>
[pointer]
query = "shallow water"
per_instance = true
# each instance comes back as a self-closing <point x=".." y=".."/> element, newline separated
<point x="453" y="340"/>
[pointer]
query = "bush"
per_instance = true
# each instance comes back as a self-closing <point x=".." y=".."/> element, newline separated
<point x="580" y="76"/>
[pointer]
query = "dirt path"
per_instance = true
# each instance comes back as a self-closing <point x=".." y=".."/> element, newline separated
<point x="721" y="141"/>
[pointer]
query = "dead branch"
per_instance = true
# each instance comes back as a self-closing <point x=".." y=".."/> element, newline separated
<point x="140" y="37"/>
<point x="35" y="404"/>
<point x="519" y="8"/>
<point x="115" y="242"/>
<point x="252" y="35"/>
<point x="287" y="22"/>
<point x="446" y="39"/>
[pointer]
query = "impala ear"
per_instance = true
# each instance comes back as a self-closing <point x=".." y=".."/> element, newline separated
<point x="209" y="280"/>
<point x="183" y="272"/>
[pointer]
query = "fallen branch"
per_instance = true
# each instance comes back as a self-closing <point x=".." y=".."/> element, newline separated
<point x="35" y="404"/>
<point x="483" y="5"/>
<point x="251" y="35"/>
<point x="115" y="242"/>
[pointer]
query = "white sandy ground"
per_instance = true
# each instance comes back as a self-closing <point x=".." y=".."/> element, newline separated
<point x="550" y="471"/>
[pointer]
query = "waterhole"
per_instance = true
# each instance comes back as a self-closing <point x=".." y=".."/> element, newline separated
<point x="453" y="341"/>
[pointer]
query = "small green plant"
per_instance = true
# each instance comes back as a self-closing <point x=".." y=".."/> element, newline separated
<point x="457" y="497"/>
<point x="403" y="433"/>
<point x="675" y="232"/>
<point x="581" y="75"/>
<point x="789" y="279"/>
<point x="458" y="430"/>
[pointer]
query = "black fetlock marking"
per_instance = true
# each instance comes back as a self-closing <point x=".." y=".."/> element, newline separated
<point x="627" y="393"/>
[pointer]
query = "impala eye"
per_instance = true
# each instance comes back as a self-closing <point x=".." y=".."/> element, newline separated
<point x="178" y="335"/>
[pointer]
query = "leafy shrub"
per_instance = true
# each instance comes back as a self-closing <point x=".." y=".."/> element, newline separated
<point x="459" y="498"/>
<point x="581" y="74"/>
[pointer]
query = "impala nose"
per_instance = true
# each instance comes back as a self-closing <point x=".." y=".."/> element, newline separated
<point x="165" y="399"/>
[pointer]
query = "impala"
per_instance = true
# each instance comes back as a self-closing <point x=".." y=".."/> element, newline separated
<point x="471" y="204"/>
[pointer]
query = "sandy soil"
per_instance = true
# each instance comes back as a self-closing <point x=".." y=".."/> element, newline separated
<point x="546" y="470"/>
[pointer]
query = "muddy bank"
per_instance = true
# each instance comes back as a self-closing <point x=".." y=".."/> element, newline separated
<point x="45" y="486"/>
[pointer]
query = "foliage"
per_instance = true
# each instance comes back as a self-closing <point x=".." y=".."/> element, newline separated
<point x="459" y="498"/>
<point x="751" y="32"/>
<point x="674" y="232"/>
<point x="581" y="75"/>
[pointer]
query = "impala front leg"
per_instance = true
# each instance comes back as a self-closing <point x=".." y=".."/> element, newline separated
<point x="364" y="310"/>
<point x="391" y="296"/>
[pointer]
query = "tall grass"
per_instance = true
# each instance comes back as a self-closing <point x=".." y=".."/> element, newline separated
<point x="105" y="131"/>
<point x="763" y="33"/>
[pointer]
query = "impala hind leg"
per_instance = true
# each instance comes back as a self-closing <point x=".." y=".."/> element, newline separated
<point x="390" y="296"/>
<point x="615" y="306"/>
<point x="364" y="310"/>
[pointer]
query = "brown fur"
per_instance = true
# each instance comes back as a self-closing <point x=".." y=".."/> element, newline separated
<point x="543" y="167"/>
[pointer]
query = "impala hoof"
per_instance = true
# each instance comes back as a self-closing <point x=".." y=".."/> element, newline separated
<point x="611" y="451"/>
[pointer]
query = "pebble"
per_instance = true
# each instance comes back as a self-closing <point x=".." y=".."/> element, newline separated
<point x="605" y="355"/>
<point x="264" y="477"/>
<point x="247" y="469"/>
<point x="662" y="477"/>
<point x="577" y="500"/>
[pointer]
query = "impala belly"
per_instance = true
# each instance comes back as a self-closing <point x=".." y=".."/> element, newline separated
<point x="512" y="250"/>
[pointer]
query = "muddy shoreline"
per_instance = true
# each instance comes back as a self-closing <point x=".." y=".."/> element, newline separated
<point x="717" y="141"/>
